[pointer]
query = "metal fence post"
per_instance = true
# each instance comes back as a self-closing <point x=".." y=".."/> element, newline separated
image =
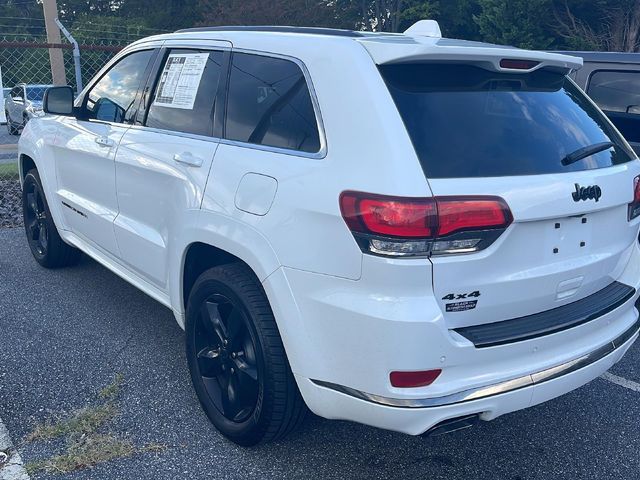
<point x="76" y="54"/>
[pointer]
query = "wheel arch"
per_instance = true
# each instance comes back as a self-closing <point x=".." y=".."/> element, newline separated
<point x="25" y="163"/>
<point x="217" y="240"/>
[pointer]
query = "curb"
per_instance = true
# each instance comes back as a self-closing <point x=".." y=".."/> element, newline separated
<point x="12" y="468"/>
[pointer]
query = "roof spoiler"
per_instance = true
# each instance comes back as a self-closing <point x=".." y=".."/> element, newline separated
<point x="423" y="42"/>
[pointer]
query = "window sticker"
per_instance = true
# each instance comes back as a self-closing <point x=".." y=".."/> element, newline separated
<point x="180" y="80"/>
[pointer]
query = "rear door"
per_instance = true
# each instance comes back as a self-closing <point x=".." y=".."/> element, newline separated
<point x="86" y="146"/>
<point x="485" y="133"/>
<point x="617" y="93"/>
<point x="163" y="161"/>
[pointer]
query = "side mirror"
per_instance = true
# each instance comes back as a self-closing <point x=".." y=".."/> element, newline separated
<point x="58" y="101"/>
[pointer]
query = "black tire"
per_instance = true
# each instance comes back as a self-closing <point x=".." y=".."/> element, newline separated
<point x="45" y="243"/>
<point x="222" y="364"/>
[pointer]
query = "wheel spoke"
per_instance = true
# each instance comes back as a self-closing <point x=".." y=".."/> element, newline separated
<point x="43" y="235"/>
<point x="34" y="228"/>
<point x="246" y="383"/>
<point x="234" y="328"/>
<point x="231" y="405"/>
<point x="209" y="362"/>
<point x="213" y="322"/>
<point x="31" y="202"/>
<point x="37" y="201"/>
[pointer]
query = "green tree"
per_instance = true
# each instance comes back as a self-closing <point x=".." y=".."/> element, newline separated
<point x="598" y="24"/>
<point x="318" y="13"/>
<point x="521" y="23"/>
<point x="456" y="18"/>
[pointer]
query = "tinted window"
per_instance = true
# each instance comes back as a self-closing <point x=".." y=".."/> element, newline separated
<point x="17" y="93"/>
<point x="616" y="91"/>
<point x="112" y="98"/>
<point x="185" y="95"/>
<point x="468" y="122"/>
<point x="269" y="104"/>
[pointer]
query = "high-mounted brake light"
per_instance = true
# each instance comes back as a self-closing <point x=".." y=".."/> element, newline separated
<point x="398" y="226"/>
<point x="634" y="207"/>
<point x="515" y="64"/>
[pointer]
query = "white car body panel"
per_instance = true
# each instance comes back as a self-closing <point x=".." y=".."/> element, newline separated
<point x="345" y="317"/>
<point x="154" y="191"/>
<point x="84" y="156"/>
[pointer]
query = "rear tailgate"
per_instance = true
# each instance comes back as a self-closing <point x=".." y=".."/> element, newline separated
<point x="517" y="135"/>
<point x="555" y="252"/>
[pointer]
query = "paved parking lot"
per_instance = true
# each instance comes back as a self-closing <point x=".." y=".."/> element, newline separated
<point x="65" y="334"/>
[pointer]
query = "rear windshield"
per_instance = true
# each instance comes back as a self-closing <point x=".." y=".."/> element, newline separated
<point x="465" y="121"/>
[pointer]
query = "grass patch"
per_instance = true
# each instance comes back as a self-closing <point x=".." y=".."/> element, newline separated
<point x="83" y="421"/>
<point x="110" y="392"/>
<point x="84" y="452"/>
<point x="89" y="442"/>
<point x="9" y="170"/>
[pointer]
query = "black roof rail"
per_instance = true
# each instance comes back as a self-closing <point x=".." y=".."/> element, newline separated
<point x="336" y="32"/>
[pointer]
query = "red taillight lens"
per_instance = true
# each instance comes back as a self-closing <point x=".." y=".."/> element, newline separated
<point x="399" y="226"/>
<point x="634" y="207"/>
<point x="414" y="379"/>
<point x="456" y="214"/>
<point x="389" y="216"/>
<point x="515" y="64"/>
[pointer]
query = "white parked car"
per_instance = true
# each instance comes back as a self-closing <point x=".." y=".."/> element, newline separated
<point x="400" y="230"/>
<point x="21" y="104"/>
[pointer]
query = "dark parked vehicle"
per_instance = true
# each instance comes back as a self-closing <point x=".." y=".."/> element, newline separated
<point x="612" y="80"/>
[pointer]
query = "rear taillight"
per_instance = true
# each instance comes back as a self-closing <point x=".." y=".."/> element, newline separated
<point x="634" y="207"/>
<point x="399" y="226"/>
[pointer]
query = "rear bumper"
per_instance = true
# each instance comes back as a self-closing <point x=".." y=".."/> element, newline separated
<point x="344" y="337"/>
<point x="528" y="380"/>
<point x="420" y="415"/>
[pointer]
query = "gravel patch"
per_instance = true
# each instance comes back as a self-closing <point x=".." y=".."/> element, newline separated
<point x="10" y="203"/>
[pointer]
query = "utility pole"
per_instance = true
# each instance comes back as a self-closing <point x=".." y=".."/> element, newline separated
<point x="56" y="57"/>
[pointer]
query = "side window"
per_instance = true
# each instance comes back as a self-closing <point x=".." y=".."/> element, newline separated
<point x="616" y="91"/>
<point x="185" y="95"/>
<point x="17" y="93"/>
<point x="112" y="98"/>
<point x="269" y="104"/>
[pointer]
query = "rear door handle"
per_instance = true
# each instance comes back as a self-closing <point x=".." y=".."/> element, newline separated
<point x="188" y="158"/>
<point x="104" y="142"/>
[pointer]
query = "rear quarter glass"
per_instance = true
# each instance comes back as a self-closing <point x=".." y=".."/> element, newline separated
<point x="465" y="121"/>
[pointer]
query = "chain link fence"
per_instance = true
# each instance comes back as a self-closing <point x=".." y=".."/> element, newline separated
<point x="24" y="58"/>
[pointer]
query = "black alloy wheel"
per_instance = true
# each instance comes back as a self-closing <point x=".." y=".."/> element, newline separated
<point x="45" y="242"/>
<point x="227" y="358"/>
<point x="35" y="219"/>
<point x="237" y="361"/>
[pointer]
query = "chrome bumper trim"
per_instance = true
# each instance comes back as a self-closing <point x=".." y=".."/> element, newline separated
<point x="497" y="388"/>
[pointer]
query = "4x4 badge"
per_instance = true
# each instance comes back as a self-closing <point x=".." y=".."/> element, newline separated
<point x="592" y="192"/>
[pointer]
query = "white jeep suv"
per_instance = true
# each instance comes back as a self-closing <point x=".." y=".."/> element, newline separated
<point x="401" y="230"/>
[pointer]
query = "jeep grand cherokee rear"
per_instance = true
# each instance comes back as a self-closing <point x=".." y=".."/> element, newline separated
<point x="531" y="234"/>
<point x="401" y="230"/>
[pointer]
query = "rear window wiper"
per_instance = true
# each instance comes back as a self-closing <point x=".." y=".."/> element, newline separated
<point x="585" y="152"/>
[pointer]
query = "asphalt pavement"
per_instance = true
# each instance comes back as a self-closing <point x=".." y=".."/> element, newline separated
<point x="65" y="334"/>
